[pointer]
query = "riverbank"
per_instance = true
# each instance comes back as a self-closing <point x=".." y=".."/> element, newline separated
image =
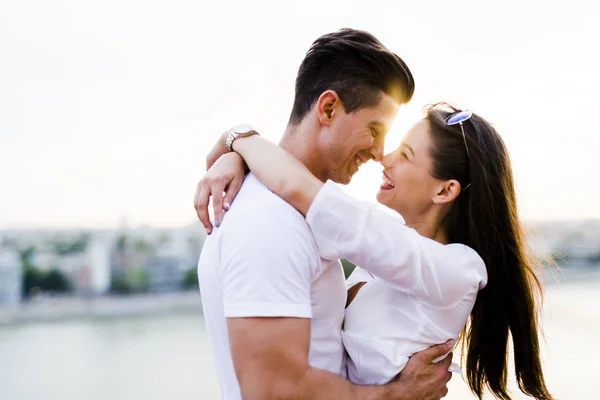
<point x="56" y="309"/>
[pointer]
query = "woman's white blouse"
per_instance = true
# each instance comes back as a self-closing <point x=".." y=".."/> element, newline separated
<point x="421" y="292"/>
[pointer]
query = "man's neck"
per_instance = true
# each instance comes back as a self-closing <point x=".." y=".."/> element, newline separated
<point x="302" y="142"/>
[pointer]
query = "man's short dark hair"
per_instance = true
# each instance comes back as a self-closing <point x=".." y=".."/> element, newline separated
<point x="354" y="64"/>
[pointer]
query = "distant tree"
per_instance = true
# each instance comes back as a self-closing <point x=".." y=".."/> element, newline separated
<point x="55" y="281"/>
<point x="190" y="280"/>
<point x="143" y="246"/>
<point x="32" y="281"/>
<point x="32" y="276"/>
<point x="348" y="267"/>
<point x="35" y="280"/>
<point x="77" y="245"/>
<point x="133" y="281"/>
<point x="26" y="255"/>
<point x="138" y="279"/>
<point x="119" y="285"/>
<point x="122" y="242"/>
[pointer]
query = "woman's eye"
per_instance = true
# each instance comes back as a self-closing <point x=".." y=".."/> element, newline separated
<point x="403" y="155"/>
<point x="374" y="132"/>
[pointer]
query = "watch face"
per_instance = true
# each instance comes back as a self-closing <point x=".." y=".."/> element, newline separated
<point x="242" y="129"/>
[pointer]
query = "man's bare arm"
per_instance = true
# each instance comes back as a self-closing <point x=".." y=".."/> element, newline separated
<point x="270" y="357"/>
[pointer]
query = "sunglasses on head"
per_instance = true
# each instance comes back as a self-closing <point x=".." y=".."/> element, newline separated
<point x="458" y="118"/>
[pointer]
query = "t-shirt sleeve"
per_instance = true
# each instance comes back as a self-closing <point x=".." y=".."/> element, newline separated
<point x="379" y="242"/>
<point x="268" y="260"/>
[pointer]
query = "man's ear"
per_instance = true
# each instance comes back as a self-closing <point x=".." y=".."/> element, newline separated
<point x="329" y="105"/>
<point x="447" y="192"/>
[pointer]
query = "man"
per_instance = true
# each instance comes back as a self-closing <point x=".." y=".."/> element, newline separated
<point x="273" y="308"/>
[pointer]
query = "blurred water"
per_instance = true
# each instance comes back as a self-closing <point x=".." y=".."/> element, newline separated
<point x="138" y="358"/>
<point x="162" y="357"/>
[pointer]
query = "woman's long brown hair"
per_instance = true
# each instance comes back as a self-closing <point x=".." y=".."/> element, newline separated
<point x="485" y="218"/>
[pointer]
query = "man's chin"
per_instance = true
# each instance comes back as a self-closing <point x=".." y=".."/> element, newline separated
<point x="342" y="180"/>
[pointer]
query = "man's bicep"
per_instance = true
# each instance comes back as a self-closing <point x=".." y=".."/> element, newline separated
<point x="270" y="355"/>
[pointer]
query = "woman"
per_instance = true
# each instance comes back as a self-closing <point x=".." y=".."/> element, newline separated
<point x="452" y="262"/>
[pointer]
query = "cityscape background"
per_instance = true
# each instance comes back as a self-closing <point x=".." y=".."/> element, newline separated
<point x="117" y="314"/>
<point x="45" y="267"/>
<point x="109" y="108"/>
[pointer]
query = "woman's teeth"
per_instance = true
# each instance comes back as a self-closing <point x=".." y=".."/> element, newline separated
<point x="387" y="182"/>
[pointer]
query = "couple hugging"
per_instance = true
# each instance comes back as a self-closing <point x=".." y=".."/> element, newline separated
<point x="449" y="263"/>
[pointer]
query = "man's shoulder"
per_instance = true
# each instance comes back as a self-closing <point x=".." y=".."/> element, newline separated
<point x="264" y="227"/>
<point x="254" y="190"/>
<point x="255" y="197"/>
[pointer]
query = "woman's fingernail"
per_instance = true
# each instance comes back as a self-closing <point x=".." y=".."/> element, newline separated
<point x="451" y="342"/>
<point x="217" y="223"/>
<point x="226" y="206"/>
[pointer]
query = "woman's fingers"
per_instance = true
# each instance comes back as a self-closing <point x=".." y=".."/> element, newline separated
<point x="201" y="199"/>
<point x="217" y="186"/>
<point x="231" y="191"/>
<point x="225" y="175"/>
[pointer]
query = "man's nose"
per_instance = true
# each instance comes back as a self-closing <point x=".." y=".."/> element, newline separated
<point x="376" y="153"/>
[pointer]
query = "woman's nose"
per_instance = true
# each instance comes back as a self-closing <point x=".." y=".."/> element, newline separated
<point x="387" y="159"/>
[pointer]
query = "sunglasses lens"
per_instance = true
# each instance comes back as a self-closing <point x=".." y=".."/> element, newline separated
<point x="459" y="117"/>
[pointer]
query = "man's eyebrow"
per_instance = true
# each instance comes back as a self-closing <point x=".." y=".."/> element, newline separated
<point x="379" y="125"/>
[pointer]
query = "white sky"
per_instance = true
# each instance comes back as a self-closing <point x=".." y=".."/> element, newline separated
<point x="108" y="108"/>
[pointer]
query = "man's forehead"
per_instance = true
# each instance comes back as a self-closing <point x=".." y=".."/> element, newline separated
<point x="387" y="109"/>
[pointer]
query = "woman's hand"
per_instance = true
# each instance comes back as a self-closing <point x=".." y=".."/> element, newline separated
<point x="225" y="175"/>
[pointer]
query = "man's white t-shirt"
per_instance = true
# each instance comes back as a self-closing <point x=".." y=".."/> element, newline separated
<point x="263" y="262"/>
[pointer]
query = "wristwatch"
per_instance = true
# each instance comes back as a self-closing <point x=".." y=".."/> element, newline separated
<point x="239" y="131"/>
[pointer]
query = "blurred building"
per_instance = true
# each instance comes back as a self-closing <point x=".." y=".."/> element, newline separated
<point x="165" y="273"/>
<point x="11" y="278"/>
<point x="172" y="258"/>
<point x="87" y="269"/>
<point x="99" y="255"/>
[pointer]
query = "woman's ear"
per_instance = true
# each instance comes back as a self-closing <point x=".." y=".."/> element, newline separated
<point x="329" y="105"/>
<point x="447" y="192"/>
